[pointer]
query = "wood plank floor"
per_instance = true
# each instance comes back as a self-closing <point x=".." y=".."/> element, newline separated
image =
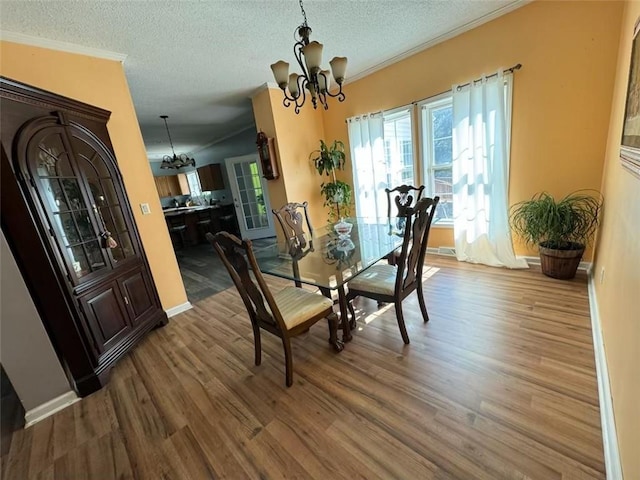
<point x="500" y="384"/>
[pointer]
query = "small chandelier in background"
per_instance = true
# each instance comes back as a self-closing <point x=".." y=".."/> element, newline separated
<point x="177" y="161"/>
<point x="313" y="78"/>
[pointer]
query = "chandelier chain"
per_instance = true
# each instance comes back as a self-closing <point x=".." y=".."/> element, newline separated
<point x="304" y="14"/>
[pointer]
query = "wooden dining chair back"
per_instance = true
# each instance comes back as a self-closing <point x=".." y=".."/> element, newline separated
<point x="399" y="200"/>
<point x="393" y="283"/>
<point x="402" y="197"/>
<point x="299" y="241"/>
<point x="290" y="217"/>
<point x="287" y="313"/>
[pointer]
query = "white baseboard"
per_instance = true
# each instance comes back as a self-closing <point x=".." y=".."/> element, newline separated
<point x="43" y="411"/>
<point x="183" y="307"/>
<point x="451" y="252"/>
<point x="607" y="419"/>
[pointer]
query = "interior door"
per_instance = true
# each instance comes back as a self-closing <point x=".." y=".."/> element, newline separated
<point x="250" y="197"/>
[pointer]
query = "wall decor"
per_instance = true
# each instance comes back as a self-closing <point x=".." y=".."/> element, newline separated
<point x="268" y="160"/>
<point x="630" y="144"/>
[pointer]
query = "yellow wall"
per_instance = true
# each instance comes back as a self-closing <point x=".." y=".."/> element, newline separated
<point x="562" y="95"/>
<point x="102" y="83"/>
<point x="618" y="253"/>
<point x="297" y="135"/>
<point x="262" y="108"/>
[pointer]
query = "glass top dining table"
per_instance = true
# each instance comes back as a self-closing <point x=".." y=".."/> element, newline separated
<point x="328" y="261"/>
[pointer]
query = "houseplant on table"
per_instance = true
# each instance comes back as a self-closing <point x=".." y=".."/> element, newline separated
<point x="337" y="194"/>
<point x="561" y="229"/>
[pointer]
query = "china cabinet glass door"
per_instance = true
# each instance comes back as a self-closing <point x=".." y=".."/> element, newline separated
<point x="69" y="211"/>
<point x="105" y="200"/>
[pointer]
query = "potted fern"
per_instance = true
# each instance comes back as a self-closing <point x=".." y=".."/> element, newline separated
<point x="337" y="194"/>
<point x="561" y="229"/>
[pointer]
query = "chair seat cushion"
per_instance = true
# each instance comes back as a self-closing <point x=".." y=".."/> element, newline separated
<point x="379" y="278"/>
<point x="298" y="305"/>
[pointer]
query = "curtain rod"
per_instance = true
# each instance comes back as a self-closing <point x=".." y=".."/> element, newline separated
<point x="517" y="66"/>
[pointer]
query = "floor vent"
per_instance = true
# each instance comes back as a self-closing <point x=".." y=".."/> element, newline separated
<point x="449" y="251"/>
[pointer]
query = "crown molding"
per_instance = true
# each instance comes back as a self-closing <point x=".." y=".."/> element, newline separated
<point x="61" y="46"/>
<point x="442" y="38"/>
<point x="264" y="86"/>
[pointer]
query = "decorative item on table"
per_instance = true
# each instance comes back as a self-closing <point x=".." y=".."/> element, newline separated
<point x="345" y="245"/>
<point x="339" y="251"/>
<point x="313" y="79"/>
<point x="337" y="194"/>
<point x="343" y="229"/>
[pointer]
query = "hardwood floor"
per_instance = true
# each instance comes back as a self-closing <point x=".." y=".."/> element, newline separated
<point x="500" y="384"/>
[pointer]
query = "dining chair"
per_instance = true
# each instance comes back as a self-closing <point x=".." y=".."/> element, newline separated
<point x="286" y="313"/>
<point x="203" y="222"/>
<point x="403" y="197"/>
<point x="393" y="283"/>
<point x="290" y="218"/>
<point x="299" y="242"/>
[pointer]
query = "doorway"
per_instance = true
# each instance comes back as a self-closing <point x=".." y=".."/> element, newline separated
<point x="250" y="197"/>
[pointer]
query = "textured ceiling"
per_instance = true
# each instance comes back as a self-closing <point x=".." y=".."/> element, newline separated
<point x="200" y="61"/>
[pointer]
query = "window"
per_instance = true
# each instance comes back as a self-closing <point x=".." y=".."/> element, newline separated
<point x="436" y="145"/>
<point x="194" y="184"/>
<point x="382" y="154"/>
<point x="437" y="141"/>
<point x="398" y="149"/>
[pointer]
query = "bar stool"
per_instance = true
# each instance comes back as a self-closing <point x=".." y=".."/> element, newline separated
<point x="228" y="221"/>
<point x="177" y="228"/>
<point x="203" y="222"/>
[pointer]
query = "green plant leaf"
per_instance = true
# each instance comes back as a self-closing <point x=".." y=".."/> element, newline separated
<point x="558" y="224"/>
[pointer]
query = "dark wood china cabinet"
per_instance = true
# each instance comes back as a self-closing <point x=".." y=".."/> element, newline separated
<point x="68" y="221"/>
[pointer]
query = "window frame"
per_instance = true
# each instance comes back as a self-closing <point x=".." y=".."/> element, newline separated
<point x="424" y="107"/>
<point x="194" y="173"/>
<point x="427" y="166"/>
<point x="393" y="115"/>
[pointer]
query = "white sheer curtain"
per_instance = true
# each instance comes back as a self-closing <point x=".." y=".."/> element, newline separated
<point x="480" y="174"/>
<point x="366" y="140"/>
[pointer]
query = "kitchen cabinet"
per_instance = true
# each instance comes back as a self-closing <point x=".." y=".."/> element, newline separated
<point x="69" y="223"/>
<point x="172" y="185"/>
<point x="211" y="177"/>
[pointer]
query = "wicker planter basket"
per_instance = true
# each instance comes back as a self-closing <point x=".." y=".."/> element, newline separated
<point x="561" y="264"/>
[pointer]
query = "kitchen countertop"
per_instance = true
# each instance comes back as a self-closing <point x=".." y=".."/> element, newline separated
<point x="195" y="208"/>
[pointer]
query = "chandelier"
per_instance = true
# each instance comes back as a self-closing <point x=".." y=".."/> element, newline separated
<point x="177" y="161"/>
<point x="313" y="79"/>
